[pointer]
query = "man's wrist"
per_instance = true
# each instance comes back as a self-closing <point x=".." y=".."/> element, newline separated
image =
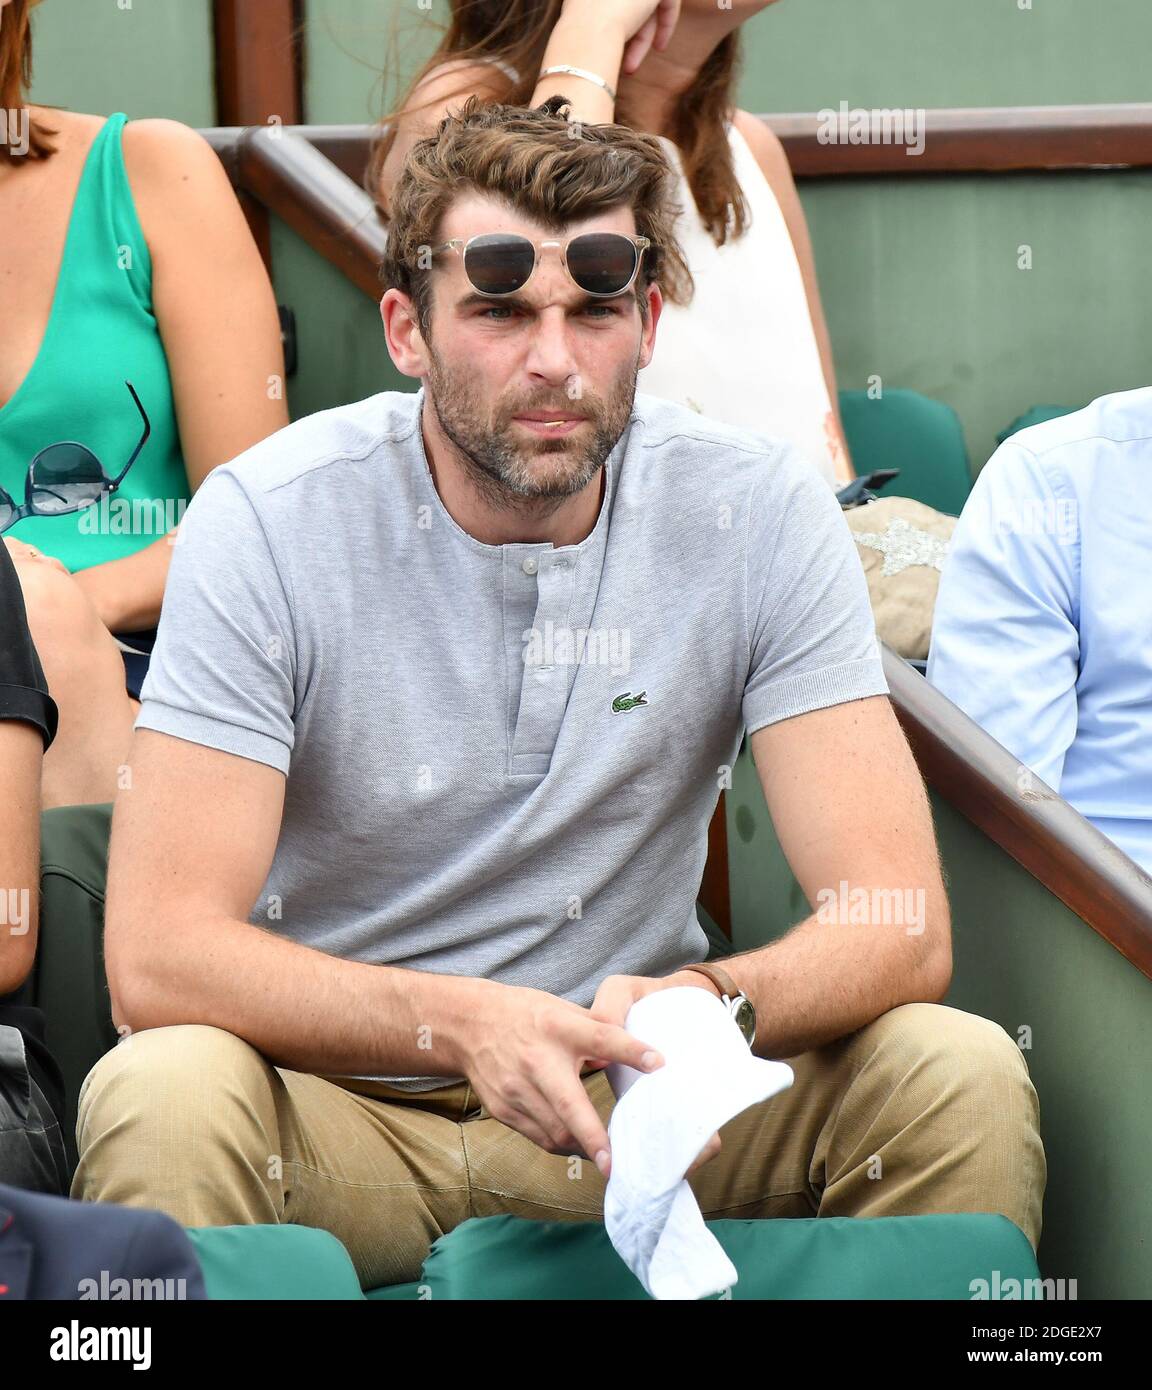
<point x="440" y="1014"/>
<point x="694" y="977"/>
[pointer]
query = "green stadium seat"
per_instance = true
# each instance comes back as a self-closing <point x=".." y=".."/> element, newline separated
<point x="921" y="437"/>
<point x="1035" y="415"/>
<point x="509" y="1258"/>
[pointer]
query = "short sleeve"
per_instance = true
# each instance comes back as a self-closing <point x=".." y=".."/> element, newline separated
<point x="811" y="635"/>
<point x="223" y="668"/>
<point x="23" y="689"/>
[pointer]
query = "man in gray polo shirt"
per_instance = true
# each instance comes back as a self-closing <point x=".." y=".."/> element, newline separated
<point x="442" y="701"/>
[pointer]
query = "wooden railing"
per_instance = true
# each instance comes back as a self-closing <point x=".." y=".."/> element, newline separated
<point x="289" y="176"/>
<point x="1013" y="139"/>
<point x="987" y="140"/>
<point x="309" y="177"/>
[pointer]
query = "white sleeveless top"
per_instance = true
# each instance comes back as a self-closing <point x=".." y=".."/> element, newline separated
<point x="744" y="350"/>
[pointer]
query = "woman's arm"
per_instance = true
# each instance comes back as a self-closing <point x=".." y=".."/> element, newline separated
<point x="218" y="321"/>
<point x="769" y="152"/>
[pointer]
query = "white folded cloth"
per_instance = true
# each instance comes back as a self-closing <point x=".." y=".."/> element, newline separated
<point x="661" y="1121"/>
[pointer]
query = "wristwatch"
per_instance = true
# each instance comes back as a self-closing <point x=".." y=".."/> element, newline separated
<point x="738" y="1005"/>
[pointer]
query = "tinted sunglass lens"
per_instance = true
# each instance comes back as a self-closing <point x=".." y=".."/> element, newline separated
<point x="601" y="262"/>
<point x="499" y="264"/>
<point x="65" y="478"/>
<point x="7" y="510"/>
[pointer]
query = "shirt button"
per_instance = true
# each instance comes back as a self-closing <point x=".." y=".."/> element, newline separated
<point x="529" y="565"/>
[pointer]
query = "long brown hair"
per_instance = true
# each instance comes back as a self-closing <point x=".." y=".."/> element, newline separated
<point x="16" y="78"/>
<point x="528" y="158"/>
<point x="516" y="33"/>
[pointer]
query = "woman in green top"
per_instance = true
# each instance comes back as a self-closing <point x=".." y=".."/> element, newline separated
<point x="125" y="259"/>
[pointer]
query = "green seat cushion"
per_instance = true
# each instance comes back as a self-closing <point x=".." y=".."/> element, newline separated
<point x="921" y="437"/>
<point x="1035" y="415"/>
<point x="893" y="1257"/>
<point x="274" y="1262"/>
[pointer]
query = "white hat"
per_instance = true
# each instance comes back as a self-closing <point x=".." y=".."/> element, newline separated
<point x="662" y="1121"/>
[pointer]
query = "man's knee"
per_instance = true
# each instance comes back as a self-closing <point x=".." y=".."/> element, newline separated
<point x="183" y="1119"/>
<point x="936" y="1043"/>
<point x="172" y="1079"/>
<point x="940" y="1072"/>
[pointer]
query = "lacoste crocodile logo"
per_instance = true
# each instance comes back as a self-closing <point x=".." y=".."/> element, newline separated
<point x="628" y="701"/>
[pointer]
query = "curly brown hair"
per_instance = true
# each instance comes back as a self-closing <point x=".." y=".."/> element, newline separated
<point x="547" y="168"/>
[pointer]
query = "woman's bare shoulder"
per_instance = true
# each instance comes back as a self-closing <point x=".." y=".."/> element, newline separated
<point x="767" y="149"/>
<point x="177" y="179"/>
<point x="160" y="144"/>
<point x="487" y="75"/>
<point x="762" y="139"/>
<point x="168" y="159"/>
<point x="72" y="131"/>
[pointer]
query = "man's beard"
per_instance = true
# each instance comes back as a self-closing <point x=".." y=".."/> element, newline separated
<point x="512" y="471"/>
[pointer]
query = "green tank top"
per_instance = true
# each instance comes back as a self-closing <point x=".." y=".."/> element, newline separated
<point x="101" y="332"/>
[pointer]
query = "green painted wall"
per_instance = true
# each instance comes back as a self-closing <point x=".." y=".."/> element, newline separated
<point x="145" y="57"/>
<point x="921" y="285"/>
<point x="805" y="54"/>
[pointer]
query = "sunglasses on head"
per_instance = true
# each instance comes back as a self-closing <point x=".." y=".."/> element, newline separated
<point x="601" y="264"/>
<point x="67" y="477"/>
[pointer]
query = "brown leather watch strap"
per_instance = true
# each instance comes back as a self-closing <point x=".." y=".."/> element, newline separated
<point x="720" y="978"/>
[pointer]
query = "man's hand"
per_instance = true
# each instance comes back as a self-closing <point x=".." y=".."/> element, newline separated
<point x="524" y="1062"/>
<point x="618" y="993"/>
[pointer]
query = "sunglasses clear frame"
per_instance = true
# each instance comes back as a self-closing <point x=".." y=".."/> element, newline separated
<point x="460" y="246"/>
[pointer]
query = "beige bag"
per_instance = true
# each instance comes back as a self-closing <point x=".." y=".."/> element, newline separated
<point x="902" y="546"/>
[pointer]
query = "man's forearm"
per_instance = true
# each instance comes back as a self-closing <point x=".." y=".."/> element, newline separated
<point x="825" y="979"/>
<point x="301" y="1008"/>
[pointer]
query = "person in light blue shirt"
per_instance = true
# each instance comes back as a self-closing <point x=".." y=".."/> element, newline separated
<point x="1043" y="623"/>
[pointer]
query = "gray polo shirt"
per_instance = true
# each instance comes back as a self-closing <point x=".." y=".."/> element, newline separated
<point x="502" y="760"/>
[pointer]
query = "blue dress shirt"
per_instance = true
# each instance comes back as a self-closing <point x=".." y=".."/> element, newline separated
<point x="1043" y="623"/>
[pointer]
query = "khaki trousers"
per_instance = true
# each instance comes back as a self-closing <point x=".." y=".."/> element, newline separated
<point x="925" y="1110"/>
